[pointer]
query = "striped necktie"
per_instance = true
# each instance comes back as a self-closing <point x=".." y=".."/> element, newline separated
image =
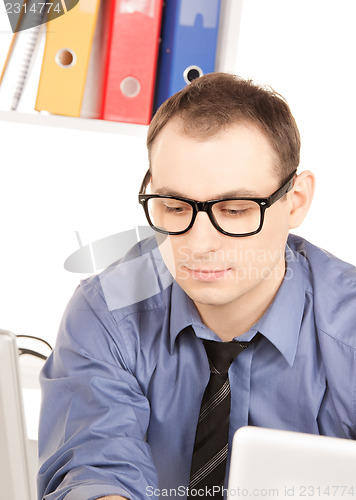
<point x="211" y="439"/>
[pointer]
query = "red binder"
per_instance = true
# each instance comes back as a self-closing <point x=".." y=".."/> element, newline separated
<point x="131" y="62"/>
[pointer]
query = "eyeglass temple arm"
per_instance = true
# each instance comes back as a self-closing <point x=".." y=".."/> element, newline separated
<point x="145" y="181"/>
<point x="284" y="189"/>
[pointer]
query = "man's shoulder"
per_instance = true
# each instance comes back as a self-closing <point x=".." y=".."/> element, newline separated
<point x="326" y="271"/>
<point x="139" y="281"/>
<point x="333" y="287"/>
<point x="123" y="311"/>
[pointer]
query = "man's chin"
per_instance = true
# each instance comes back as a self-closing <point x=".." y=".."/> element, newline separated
<point x="208" y="295"/>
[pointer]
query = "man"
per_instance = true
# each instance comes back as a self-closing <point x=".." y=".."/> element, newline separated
<point x="133" y="383"/>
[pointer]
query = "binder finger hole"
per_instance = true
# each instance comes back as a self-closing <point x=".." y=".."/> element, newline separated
<point x="130" y="86"/>
<point x="191" y="73"/>
<point x="66" y="58"/>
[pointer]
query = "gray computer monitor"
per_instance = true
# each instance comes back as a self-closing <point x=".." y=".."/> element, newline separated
<point x="15" y="478"/>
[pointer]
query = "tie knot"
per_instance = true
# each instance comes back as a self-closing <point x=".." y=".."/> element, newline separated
<point x="222" y="354"/>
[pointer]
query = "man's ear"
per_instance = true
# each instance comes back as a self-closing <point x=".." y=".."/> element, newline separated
<point x="300" y="198"/>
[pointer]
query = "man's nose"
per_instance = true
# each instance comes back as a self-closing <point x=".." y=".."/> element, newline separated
<point x="203" y="236"/>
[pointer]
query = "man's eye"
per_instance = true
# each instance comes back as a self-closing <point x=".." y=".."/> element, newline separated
<point x="175" y="209"/>
<point x="234" y="211"/>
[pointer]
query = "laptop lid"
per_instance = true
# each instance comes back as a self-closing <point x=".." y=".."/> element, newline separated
<point x="282" y="464"/>
<point x="15" y="483"/>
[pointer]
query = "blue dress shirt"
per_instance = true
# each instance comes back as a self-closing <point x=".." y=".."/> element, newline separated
<point x="123" y="387"/>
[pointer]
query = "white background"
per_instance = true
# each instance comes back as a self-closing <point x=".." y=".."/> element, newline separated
<point x="57" y="180"/>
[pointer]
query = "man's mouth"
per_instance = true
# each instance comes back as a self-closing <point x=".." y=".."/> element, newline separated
<point x="207" y="274"/>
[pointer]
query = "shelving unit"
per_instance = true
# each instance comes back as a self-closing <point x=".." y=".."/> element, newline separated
<point x="230" y="17"/>
<point x="65" y="122"/>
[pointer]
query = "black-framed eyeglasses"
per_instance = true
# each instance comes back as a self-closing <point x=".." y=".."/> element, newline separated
<point x="231" y="216"/>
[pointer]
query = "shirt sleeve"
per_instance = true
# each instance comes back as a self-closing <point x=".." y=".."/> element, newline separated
<point x="94" y="415"/>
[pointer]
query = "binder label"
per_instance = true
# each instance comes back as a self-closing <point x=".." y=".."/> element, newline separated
<point x="146" y="7"/>
<point x="209" y="11"/>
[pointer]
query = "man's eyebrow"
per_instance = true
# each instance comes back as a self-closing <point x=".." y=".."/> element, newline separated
<point x="229" y="194"/>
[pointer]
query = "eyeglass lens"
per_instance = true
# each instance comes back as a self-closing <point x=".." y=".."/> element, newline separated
<point x="232" y="216"/>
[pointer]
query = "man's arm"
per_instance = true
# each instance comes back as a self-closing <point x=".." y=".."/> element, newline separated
<point x="94" y="416"/>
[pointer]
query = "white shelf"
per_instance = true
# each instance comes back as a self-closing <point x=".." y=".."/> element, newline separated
<point x="74" y="123"/>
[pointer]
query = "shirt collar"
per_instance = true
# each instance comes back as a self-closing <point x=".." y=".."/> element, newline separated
<point x="280" y="324"/>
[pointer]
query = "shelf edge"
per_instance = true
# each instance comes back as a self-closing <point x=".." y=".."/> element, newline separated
<point x="84" y="124"/>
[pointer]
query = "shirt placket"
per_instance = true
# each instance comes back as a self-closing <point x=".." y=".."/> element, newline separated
<point x="240" y="383"/>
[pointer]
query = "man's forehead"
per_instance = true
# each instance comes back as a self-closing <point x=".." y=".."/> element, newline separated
<point x="178" y="125"/>
<point x="234" y="189"/>
<point x="237" y="163"/>
<point x="175" y="132"/>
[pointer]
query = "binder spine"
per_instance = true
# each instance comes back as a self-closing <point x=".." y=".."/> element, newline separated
<point x="188" y="44"/>
<point x="131" y="63"/>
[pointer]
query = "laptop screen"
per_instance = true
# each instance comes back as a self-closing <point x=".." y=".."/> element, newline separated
<point x="15" y="483"/>
<point x="283" y="464"/>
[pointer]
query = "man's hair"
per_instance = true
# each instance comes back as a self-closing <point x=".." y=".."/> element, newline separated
<point x="217" y="101"/>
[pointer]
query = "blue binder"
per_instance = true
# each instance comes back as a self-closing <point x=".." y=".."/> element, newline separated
<point x="188" y="44"/>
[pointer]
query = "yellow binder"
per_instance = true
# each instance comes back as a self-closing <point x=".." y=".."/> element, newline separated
<point x="65" y="61"/>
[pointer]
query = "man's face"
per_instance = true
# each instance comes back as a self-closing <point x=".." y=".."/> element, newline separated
<point x="212" y="268"/>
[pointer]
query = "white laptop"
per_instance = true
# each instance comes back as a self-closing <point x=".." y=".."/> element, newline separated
<point x="16" y="480"/>
<point x="267" y="463"/>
